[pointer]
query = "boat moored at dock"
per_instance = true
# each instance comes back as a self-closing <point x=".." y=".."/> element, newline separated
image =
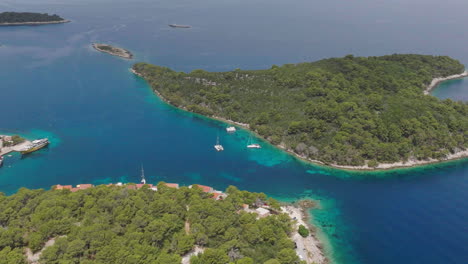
<point x="34" y="146"/>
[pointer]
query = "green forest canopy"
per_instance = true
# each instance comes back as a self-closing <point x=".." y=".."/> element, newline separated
<point x="16" y="17"/>
<point x="345" y="111"/>
<point x="118" y="225"/>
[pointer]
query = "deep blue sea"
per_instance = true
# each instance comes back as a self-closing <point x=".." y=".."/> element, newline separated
<point x="104" y="122"/>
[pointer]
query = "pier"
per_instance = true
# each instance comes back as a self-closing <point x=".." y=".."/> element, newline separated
<point x="4" y="150"/>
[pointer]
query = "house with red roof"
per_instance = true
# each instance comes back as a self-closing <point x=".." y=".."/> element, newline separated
<point x="140" y="185"/>
<point x="204" y="188"/>
<point x="219" y="196"/>
<point x="84" y="186"/>
<point x="172" y="185"/>
<point x="62" y="187"/>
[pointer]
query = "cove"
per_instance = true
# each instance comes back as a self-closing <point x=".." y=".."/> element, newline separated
<point x="104" y="122"/>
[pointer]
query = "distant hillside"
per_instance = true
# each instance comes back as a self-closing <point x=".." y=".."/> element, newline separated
<point x="15" y="17"/>
<point x="340" y="111"/>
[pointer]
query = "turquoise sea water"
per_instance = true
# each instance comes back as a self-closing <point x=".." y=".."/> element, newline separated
<point x="104" y="122"/>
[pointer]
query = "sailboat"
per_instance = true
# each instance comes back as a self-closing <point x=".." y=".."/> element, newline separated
<point x="253" y="145"/>
<point x="143" y="180"/>
<point x="218" y="146"/>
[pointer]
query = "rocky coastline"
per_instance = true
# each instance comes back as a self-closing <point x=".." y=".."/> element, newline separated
<point x="461" y="154"/>
<point x="436" y="81"/>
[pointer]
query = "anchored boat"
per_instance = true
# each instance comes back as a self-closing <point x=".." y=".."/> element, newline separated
<point x="1" y="161"/>
<point x="231" y="129"/>
<point x="34" y="146"/>
<point x="218" y="146"/>
<point x="253" y="145"/>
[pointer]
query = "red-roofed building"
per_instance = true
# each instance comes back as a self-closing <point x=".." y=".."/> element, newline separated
<point x="63" y="187"/>
<point x="84" y="186"/>
<point x="172" y="185"/>
<point x="204" y="188"/>
<point x="74" y="189"/>
<point x="219" y="196"/>
<point x="131" y="187"/>
<point x="140" y="185"/>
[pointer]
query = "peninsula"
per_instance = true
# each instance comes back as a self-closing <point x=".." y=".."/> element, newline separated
<point x="113" y="50"/>
<point x="351" y="112"/>
<point x="142" y="223"/>
<point x="25" y="18"/>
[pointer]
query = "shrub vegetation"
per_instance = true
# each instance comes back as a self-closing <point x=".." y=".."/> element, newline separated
<point x="344" y="111"/>
<point x="118" y="225"/>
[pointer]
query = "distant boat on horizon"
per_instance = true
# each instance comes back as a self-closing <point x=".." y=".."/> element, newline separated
<point x="179" y="26"/>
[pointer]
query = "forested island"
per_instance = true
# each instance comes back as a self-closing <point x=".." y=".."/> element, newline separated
<point x="26" y="18"/>
<point x="120" y="224"/>
<point x="350" y="112"/>
<point x="116" y="51"/>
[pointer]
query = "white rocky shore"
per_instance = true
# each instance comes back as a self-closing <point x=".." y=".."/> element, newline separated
<point x="437" y="81"/>
<point x="308" y="248"/>
<point x="409" y="163"/>
<point x="382" y="166"/>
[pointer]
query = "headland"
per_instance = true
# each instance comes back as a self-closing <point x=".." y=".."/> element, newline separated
<point x="189" y="222"/>
<point x="378" y="154"/>
<point x="436" y="81"/>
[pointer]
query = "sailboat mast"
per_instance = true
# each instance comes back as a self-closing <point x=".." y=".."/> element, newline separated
<point x="143" y="180"/>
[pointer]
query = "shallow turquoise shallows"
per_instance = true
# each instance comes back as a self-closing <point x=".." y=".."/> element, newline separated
<point x="104" y="122"/>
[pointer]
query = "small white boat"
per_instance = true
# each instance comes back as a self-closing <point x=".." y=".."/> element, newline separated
<point x="218" y="146"/>
<point x="253" y="145"/>
<point x="1" y="161"/>
<point x="231" y="129"/>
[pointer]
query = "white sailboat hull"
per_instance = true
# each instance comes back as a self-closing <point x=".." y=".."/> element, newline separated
<point x="219" y="148"/>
